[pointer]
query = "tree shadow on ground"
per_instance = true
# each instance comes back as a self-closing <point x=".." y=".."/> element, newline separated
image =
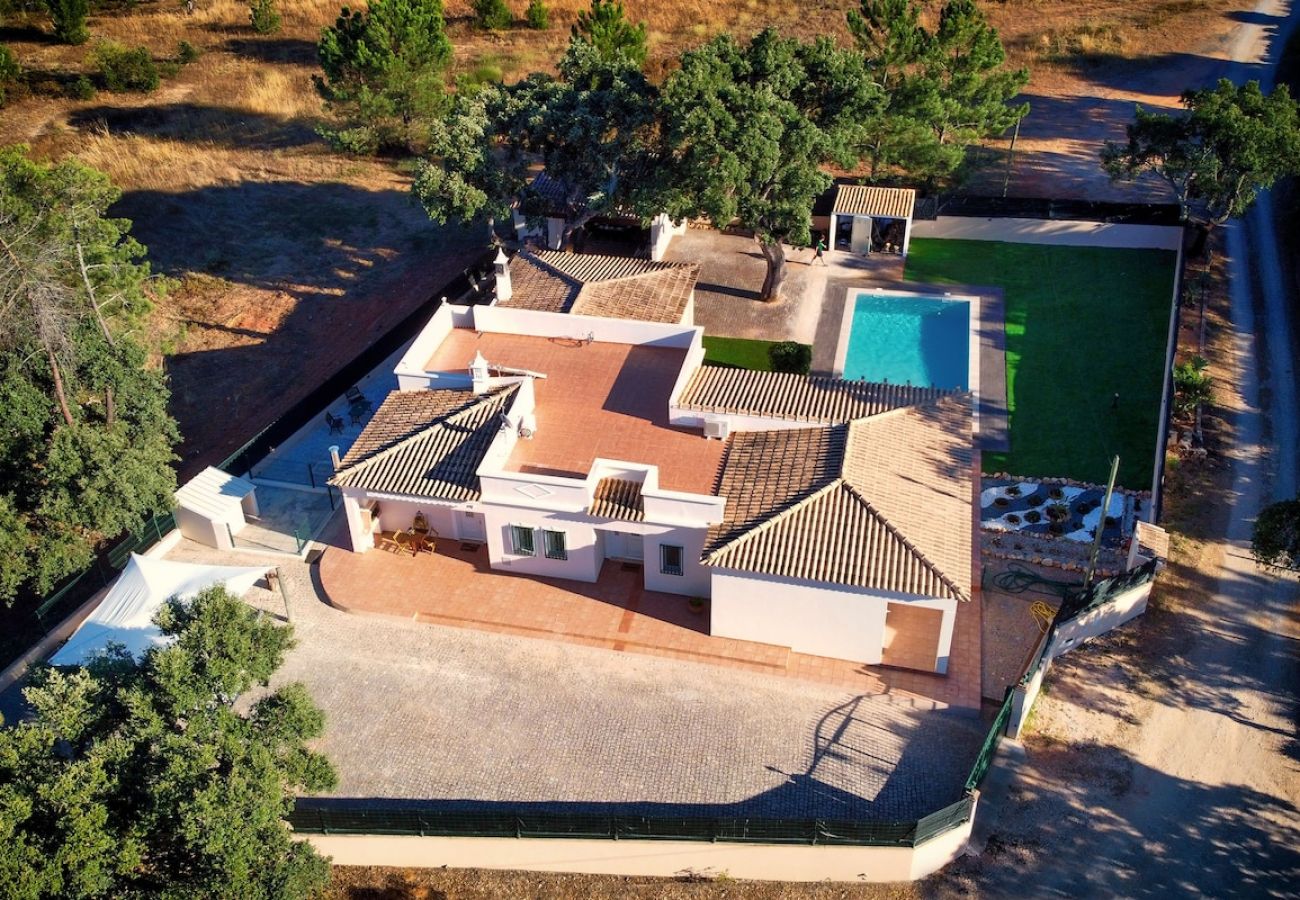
<point x="338" y="265"/>
<point x="192" y="122"/>
<point x="296" y="51"/>
<point x="1115" y="827"/>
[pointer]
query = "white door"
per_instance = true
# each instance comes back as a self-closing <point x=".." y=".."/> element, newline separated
<point x="621" y="545"/>
<point x="472" y="527"/>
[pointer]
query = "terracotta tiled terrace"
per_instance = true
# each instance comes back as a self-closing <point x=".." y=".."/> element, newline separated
<point x="454" y="587"/>
<point x="597" y="400"/>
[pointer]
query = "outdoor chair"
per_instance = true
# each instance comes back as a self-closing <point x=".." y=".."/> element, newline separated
<point x="356" y="398"/>
<point x="335" y="422"/>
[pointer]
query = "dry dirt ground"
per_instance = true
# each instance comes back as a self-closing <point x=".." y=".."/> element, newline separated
<point x="290" y="258"/>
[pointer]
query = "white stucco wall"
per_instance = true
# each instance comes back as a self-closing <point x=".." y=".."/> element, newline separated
<point x="838" y="622"/>
<point x="584" y="554"/>
<point x="694" y="580"/>
<point x="664" y="859"/>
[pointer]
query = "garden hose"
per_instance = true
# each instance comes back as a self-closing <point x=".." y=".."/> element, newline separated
<point x="1043" y="615"/>
<point x="1018" y="578"/>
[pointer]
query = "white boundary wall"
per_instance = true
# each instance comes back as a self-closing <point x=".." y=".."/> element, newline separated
<point x="664" y="859"/>
<point x="1070" y="635"/>
<point x="1070" y="232"/>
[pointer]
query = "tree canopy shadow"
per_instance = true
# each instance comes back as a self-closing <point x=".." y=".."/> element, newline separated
<point x="273" y="50"/>
<point x="193" y="122"/>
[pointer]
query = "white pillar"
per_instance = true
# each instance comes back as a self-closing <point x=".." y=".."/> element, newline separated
<point x="554" y="233"/>
<point x="361" y="539"/>
<point x="907" y="235"/>
<point x="944" y="650"/>
<point x="334" y="456"/>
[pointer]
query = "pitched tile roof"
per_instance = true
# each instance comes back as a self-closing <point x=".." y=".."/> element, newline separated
<point x="805" y="398"/>
<point x="618" y="498"/>
<point x="425" y="444"/>
<point x="861" y="200"/>
<point x="881" y="503"/>
<point x="595" y="285"/>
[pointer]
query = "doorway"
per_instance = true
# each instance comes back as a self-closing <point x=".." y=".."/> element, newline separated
<point x="911" y="637"/>
<point x="624" y="546"/>
<point x="471" y="527"/>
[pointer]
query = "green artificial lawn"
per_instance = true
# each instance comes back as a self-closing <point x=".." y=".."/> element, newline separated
<point x="739" y="353"/>
<point x="1083" y="323"/>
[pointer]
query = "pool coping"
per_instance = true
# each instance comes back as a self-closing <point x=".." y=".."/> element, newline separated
<point x="989" y="389"/>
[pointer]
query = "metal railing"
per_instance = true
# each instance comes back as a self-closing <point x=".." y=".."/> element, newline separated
<point x="429" y="821"/>
<point x="989" y="749"/>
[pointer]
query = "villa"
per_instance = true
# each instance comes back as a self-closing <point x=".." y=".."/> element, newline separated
<point x="572" y="421"/>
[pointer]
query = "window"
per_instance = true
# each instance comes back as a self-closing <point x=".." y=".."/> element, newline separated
<point x="554" y="544"/>
<point x="670" y="559"/>
<point x="522" y="537"/>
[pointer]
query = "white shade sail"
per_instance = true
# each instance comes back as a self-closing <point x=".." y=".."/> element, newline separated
<point x="126" y="615"/>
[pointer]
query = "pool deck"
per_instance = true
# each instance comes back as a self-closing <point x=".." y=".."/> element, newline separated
<point x="991" y="427"/>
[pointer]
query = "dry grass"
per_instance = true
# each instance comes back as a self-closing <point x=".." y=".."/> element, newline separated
<point x="378" y="883"/>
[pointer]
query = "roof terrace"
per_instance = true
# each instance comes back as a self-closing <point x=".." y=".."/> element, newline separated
<point x="598" y="400"/>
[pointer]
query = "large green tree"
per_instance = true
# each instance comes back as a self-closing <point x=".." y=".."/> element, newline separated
<point x="1275" y="537"/>
<point x="383" y="74"/>
<point x="86" y="450"/>
<point x="141" y="779"/>
<point x="946" y="88"/>
<point x="747" y="130"/>
<point x="606" y="28"/>
<point x="588" y="128"/>
<point x="1232" y="142"/>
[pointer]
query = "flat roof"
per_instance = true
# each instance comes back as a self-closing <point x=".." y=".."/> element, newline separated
<point x="598" y="400"/>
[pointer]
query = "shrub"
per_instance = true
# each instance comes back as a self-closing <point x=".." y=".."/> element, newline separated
<point x="263" y="16"/>
<point x="1192" y="385"/>
<point x="492" y="15"/>
<point x="186" y="53"/>
<point x="537" y="15"/>
<point x="790" y="356"/>
<point x="126" y="68"/>
<point x="82" y="89"/>
<point x="9" y="71"/>
<point x="69" y="20"/>
<point x="485" y="73"/>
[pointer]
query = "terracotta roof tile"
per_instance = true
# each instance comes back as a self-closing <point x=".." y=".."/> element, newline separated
<point x="881" y="503"/>
<point x="861" y="200"/>
<point x="425" y="444"/>
<point x="805" y="398"/>
<point x="596" y="285"/>
<point x="618" y="498"/>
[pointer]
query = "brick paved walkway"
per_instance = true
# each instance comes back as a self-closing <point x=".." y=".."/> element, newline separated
<point x="455" y="587"/>
<point x="488" y="721"/>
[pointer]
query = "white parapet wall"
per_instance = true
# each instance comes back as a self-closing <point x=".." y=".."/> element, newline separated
<point x="663" y="859"/>
<point x="539" y="323"/>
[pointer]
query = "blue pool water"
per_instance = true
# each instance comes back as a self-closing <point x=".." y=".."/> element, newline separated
<point x="909" y="338"/>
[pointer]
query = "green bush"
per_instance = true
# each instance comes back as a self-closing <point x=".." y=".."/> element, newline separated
<point x="537" y="15"/>
<point x="9" y="71"/>
<point x="126" y="68"/>
<point x="790" y="356"/>
<point x="69" y="20"/>
<point x="186" y="53"/>
<point x="263" y="16"/>
<point x="492" y="15"/>
<point x="486" y="73"/>
<point x="82" y="89"/>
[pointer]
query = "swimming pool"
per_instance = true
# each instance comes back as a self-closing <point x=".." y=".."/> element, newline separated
<point x="909" y="338"/>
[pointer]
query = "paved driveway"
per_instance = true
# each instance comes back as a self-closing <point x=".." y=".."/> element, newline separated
<point x="428" y="712"/>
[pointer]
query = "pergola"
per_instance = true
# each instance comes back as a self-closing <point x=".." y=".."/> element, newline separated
<point x="871" y="219"/>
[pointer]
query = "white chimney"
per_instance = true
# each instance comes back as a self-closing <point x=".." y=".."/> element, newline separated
<point x="502" y="264"/>
<point x="478" y="373"/>
<point x="334" y="456"/>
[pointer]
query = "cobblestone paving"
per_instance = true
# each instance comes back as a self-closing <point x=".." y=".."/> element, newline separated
<point x="492" y="721"/>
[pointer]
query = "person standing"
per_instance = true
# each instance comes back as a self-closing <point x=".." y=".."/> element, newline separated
<point x="820" y="255"/>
